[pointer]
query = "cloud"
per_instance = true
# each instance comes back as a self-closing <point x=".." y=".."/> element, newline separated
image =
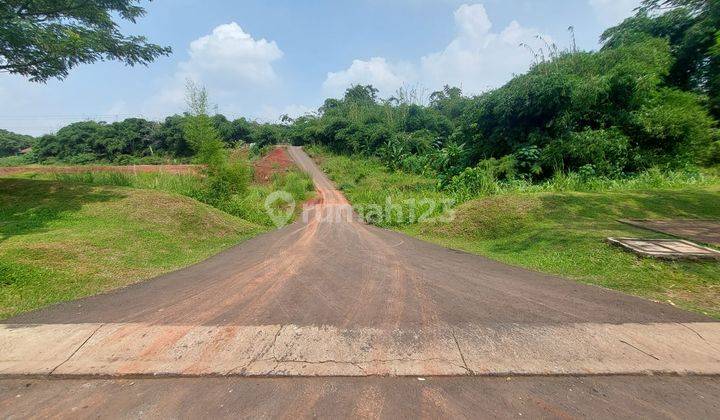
<point x="376" y="71"/>
<point x="231" y="52"/>
<point x="228" y="61"/>
<point x="612" y="12"/>
<point x="477" y="59"/>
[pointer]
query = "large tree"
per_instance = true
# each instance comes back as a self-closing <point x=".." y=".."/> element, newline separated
<point x="43" y="39"/>
<point x="691" y="27"/>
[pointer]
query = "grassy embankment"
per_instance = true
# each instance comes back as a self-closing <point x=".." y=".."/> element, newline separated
<point x="552" y="229"/>
<point x="65" y="236"/>
<point x="61" y="241"/>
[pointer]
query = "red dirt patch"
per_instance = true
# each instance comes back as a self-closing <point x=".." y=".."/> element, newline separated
<point x="172" y="169"/>
<point x="277" y="161"/>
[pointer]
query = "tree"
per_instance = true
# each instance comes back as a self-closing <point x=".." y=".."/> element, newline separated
<point x="12" y="144"/>
<point x="691" y="27"/>
<point x="169" y="137"/>
<point x="200" y="131"/>
<point x="43" y="39"/>
<point x="361" y="95"/>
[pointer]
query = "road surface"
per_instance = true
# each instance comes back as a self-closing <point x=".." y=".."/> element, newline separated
<point x="331" y="297"/>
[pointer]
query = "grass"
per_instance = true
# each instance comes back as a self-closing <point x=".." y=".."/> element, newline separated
<point x="61" y="241"/>
<point x="552" y="229"/>
<point x="368" y="185"/>
<point x="250" y="205"/>
<point x="13" y="160"/>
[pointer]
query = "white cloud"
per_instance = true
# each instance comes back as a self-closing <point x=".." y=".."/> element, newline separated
<point x="228" y="61"/>
<point x="612" y="12"/>
<point x="231" y="52"/>
<point x="477" y="59"/>
<point x="377" y="71"/>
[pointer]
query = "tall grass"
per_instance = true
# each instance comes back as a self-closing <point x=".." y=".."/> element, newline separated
<point x="245" y="201"/>
<point x="563" y="182"/>
<point x="367" y="182"/>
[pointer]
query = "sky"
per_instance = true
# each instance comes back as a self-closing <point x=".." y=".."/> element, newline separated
<point x="260" y="59"/>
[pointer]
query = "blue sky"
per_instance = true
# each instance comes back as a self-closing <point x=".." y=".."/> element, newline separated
<point x="261" y="58"/>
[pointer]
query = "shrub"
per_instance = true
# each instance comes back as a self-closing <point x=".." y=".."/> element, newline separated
<point x="82" y="159"/>
<point x="600" y="152"/>
<point x="674" y="127"/>
<point x="483" y="179"/>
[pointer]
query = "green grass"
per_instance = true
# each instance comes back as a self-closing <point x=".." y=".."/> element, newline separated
<point x="250" y="205"/>
<point x="552" y="229"/>
<point x="13" y="160"/>
<point x="368" y="185"/>
<point x="65" y="240"/>
<point x="564" y="234"/>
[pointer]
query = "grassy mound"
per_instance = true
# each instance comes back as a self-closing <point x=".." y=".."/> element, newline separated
<point x="60" y="241"/>
<point x="564" y="233"/>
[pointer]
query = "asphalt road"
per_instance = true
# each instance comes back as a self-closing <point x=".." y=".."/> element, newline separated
<point x="333" y="271"/>
<point x="390" y="398"/>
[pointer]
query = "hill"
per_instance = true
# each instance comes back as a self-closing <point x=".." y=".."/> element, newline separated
<point x="62" y="240"/>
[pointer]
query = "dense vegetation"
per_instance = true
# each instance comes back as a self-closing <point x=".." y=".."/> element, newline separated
<point x="648" y="99"/>
<point x="136" y="140"/>
<point x="12" y="144"/>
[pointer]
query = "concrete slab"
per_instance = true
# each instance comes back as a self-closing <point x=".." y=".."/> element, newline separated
<point x="588" y="349"/>
<point x="139" y="350"/>
<point x="703" y="231"/>
<point x="331" y="351"/>
<point x="674" y="249"/>
<point x="39" y="349"/>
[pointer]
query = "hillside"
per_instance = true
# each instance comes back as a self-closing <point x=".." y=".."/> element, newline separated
<point x="61" y="241"/>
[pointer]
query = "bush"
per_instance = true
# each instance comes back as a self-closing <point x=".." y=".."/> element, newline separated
<point x="82" y="159"/>
<point x="483" y="179"/>
<point x="229" y="179"/>
<point x="674" y="127"/>
<point x="600" y="152"/>
<point x="298" y="184"/>
<point x="16" y="160"/>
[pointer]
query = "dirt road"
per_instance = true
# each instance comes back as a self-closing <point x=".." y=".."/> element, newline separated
<point x="339" y="272"/>
<point x="330" y="296"/>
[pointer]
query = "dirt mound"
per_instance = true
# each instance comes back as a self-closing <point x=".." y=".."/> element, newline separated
<point x="277" y="161"/>
<point x="171" y="169"/>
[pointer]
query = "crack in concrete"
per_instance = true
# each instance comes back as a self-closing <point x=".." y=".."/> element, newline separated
<point x="699" y="335"/>
<point x="243" y="368"/>
<point x="77" y="349"/>
<point x="462" y="356"/>
<point x="358" y="365"/>
<point x="639" y="349"/>
<point x="274" y="343"/>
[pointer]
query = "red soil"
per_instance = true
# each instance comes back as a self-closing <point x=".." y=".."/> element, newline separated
<point x="277" y="161"/>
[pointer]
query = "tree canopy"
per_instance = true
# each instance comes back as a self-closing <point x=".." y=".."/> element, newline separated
<point x="12" y="144"/>
<point x="44" y="39"/>
<point x="691" y="28"/>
